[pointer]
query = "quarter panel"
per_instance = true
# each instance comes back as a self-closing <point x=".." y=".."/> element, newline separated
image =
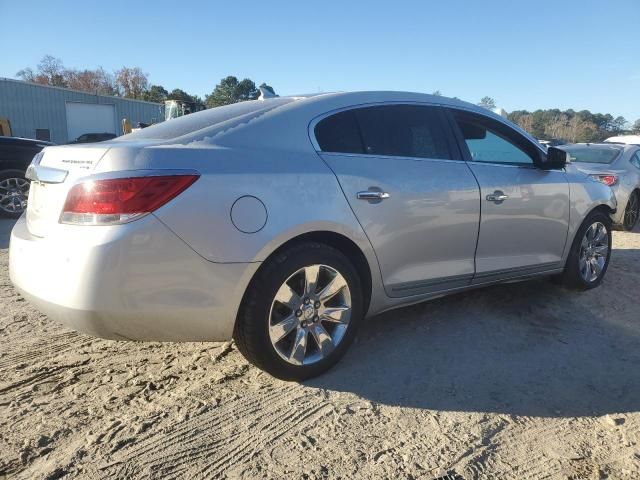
<point x="299" y="192"/>
<point x="586" y="195"/>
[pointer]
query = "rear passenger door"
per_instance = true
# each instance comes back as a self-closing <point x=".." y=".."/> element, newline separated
<point x="524" y="209"/>
<point x="418" y="203"/>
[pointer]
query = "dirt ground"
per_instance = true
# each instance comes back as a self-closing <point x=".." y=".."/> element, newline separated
<point x="522" y="381"/>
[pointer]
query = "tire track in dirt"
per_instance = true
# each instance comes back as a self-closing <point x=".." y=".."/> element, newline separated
<point x="37" y="351"/>
<point x="191" y="430"/>
<point x="50" y="374"/>
<point x="561" y="449"/>
<point x="269" y="433"/>
<point x="206" y="445"/>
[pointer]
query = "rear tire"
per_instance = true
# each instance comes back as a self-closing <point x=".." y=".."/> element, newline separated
<point x="14" y="192"/>
<point x="590" y="253"/>
<point x="299" y="335"/>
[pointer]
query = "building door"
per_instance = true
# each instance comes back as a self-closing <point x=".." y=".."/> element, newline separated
<point x="90" y="118"/>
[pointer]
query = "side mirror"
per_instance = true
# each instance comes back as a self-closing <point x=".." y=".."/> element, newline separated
<point x="555" y="159"/>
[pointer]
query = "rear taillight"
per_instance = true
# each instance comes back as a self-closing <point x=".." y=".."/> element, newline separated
<point x="121" y="200"/>
<point x="606" y="179"/>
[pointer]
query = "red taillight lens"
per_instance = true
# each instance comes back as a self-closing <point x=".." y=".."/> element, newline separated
<point x="606" y="179"/>
<point x="119" y="200"/>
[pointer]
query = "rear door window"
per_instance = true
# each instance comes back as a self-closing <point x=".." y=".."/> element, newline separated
<point x="339" y="133"/>
<point x="388" y="130"/>
<point x="403" y="131"/>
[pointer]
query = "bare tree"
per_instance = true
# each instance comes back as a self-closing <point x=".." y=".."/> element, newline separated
<point x="50" y="71"/>
<point x="97" y="81"/>
<point x="525" y="122"/>
<point x="131" y="82"/>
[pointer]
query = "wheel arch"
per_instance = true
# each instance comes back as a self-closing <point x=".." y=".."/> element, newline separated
<point x="603" y="207"/>
<point x="341" y="243"/>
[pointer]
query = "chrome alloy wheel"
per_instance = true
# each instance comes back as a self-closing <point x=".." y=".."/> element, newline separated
<point x="310" y="314"/>
<point x="594" y="250"/>
<point x="632" y="211"/>
<point x="14" y="193"/>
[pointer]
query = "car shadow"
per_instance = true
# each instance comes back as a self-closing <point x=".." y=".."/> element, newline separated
<point x="6" y="226"/>
<point x="530" y="348"/>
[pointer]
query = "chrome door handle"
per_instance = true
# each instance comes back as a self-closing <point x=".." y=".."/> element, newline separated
<point x="372" y="195"/>
<point x="497" y="197"/>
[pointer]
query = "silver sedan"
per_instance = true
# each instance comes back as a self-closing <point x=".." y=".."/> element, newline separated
<point x="617" y="165"/>
<point x="283" y="222"/>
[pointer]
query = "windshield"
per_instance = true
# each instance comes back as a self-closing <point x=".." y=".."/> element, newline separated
<point x="593" y="153"/>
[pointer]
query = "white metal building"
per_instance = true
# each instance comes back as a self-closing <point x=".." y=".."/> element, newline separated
<point x="61" y="115"/>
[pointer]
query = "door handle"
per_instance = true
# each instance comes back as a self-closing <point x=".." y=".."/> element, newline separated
<point x="497" y="196"/>
<point x="372" y="195"/>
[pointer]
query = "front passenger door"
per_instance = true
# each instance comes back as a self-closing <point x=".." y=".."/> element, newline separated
<point x="524" y="210"/>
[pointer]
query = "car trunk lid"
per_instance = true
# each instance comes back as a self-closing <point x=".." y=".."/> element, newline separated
<point x="53" y="173"/>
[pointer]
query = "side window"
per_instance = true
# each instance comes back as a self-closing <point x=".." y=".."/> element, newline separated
<point x="492" y="142"/>
<point x="391" y="130"/>
<point x="403" y="131"/>
<point x="339" y="133"/>
<point x="635" y="160"/>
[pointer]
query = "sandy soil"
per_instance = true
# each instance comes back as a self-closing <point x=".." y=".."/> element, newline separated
<point x="523" y="381"/>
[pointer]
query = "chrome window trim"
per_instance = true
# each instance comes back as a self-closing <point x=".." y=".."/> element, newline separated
<point x="386" y="157"/>
<point x="528" y="166"/>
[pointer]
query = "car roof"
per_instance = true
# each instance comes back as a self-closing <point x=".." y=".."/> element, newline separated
<point x="602" y="145"/>
<point x="627" y="139"/>
<point x="296" y="113"/>
<point x="280" y="122"/>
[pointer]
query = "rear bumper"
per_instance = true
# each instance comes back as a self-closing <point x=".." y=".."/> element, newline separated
<point x="137" y="281"/>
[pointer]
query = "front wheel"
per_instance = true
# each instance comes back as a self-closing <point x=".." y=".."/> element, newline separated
<point x="301" y="312"/>
<point x="632" y="211"/>
<point x="590" y="253"/>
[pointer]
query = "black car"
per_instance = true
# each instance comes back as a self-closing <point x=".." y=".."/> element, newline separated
<point x="15" y="156"/>
<point x="94" y="137"/>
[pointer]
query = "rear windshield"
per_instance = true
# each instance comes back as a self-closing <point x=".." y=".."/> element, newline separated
<point x="178" y="127"/>
<point x="593" y="153"/>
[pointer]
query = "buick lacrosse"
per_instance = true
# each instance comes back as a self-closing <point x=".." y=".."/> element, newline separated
<point x="283" y="222"/>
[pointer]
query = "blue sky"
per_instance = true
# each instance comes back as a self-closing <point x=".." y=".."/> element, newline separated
<point x="566" y="53"/>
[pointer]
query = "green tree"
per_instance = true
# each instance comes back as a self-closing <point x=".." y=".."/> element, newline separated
<point x="268" y="87"/>
<point x="636" y="127"/>
<point x="487" y="102"/>
<point x="619" y="124"/>
<point x="179" y="94"/>
<point x="155" y="93"/>
<point x="436" y="93"/>
<point x="230" y="90"/>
